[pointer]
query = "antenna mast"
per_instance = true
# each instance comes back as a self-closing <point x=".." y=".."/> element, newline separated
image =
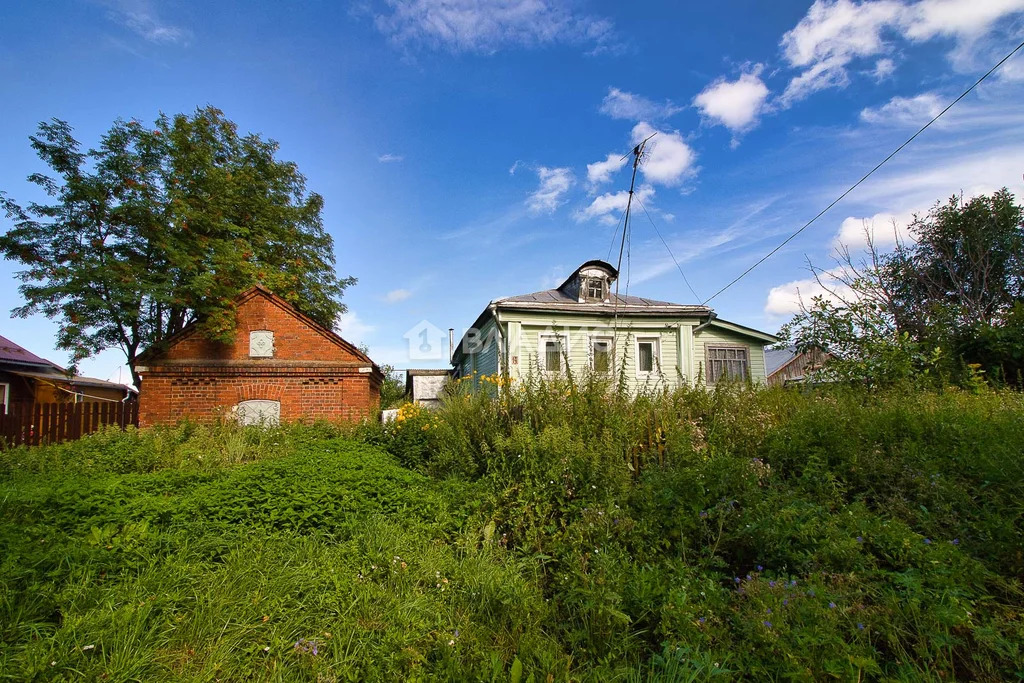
<point x="638" y="153"/>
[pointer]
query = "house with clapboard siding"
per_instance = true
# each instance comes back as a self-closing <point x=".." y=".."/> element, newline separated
<point x="583" y="325"/>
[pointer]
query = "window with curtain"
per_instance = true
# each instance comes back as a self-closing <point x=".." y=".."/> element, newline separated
<point x="601" y="354"/>
<point x="647" y="354"/>
<point x="727" y="362"/>
<point x="552" y="352"/>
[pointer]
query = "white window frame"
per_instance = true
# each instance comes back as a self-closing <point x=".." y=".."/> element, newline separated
<point x="709" y="346"/>
<point x="542" y="358"/>
<point x="656" y="355"/>
<point x="600" y="336"/>
<point x="7" y="396"/>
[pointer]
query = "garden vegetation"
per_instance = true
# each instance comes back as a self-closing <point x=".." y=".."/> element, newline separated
<point x="543" y="531"/>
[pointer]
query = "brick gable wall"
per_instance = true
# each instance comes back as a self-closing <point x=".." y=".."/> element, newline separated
<point x="314" y="375"/>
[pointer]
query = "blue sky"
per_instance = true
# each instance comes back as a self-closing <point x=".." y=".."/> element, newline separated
<point x="469" y="150"/>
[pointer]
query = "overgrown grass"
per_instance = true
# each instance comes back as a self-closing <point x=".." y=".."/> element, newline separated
<point x="557" y="530"/>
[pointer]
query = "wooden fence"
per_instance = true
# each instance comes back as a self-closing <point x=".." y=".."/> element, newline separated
<point x="42" y="423"/>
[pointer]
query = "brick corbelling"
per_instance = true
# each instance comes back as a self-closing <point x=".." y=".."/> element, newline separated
<point x="262" y="370"/>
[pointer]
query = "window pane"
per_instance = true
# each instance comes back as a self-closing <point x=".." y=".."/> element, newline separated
<point x="646" y="357"/>
<point x="602" y="355"/>
<point x="727" y="363"/>
<point x="552" y="355"/>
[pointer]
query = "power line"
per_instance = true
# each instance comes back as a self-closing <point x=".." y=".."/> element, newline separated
<point x="615" y="234"/>
<point x="866" y="175"/>
<point x="669" y="250"/>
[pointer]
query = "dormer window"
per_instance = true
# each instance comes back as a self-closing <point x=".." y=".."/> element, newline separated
<point x="595" y="289"/>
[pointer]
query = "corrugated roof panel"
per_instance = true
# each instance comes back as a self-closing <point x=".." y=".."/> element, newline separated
<point x="9" y="351"/>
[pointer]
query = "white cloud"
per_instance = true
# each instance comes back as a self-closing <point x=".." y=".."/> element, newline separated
<point x="915" y="111"/>
<point x="602" y="171"/>
<point x="961" y="18"/>
<point x="554" y="183"/>
<point x="834" y="33"/>
<point x="353" y="328"/>
<point x="489" y="25"/>
<point x="669" y="160"/>
<point x="785" y="299"/>
<point x="619" y="104"/>
<point x="734" y="104"/>
<point x="389" y="158"/>
<point x="929" y="177"/>
<point x="883" y="69"/>
<point x="883" y="228"/>
<point x="829" y="73"/>
<point x="608" y="207"/>
<point x="396" y="295"/>
<point x="141" y="17"/>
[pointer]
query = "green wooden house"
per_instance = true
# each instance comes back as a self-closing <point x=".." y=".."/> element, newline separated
<point x="583" y="325"/>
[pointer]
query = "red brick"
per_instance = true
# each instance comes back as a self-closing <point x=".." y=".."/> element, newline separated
<point x="314" y="373"/>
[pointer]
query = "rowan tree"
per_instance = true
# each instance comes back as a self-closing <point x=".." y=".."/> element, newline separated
<point x="161" y="226"/>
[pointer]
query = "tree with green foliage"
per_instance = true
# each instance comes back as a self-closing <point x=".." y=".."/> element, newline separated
<point x="949" y="300"/>
<point x="161" y="226"/>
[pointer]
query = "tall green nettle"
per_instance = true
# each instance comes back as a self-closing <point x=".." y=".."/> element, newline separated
<point x="162" y="226"/>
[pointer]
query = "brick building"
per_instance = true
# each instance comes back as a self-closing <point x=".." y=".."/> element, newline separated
<point x="282" y="365"/>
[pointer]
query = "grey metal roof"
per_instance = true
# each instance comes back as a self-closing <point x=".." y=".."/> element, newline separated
<point x="776" y="358"/>
<point x="557" y="300"/>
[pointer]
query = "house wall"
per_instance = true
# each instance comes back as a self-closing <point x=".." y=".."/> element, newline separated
<point x="428" y="387"/>
<point x="798" y="367"/>
<point x="682" y="352"/>
<point x="578" y="330"/>
<point x="713" y="336"/>
<point x="311" y="375"/>
<point x="483" y="357"/>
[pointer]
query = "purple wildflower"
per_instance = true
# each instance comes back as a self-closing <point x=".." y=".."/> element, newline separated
<point x="956" y="541"/>
<point x="768" y="611"/>
<point x="703" y="514"/>
<point x="785" y="602"/>
<point x="771" y="584"/>
<point x="860" y="627"/>
<point x="767" y="624"/>
<point x="860" y="539"/>
<point x="927" y="541"/>
<point x="737" y="579"/>
<point x="793" y="582"/>
<point x="760" y="568"/>
<point x="701" y="620"/>
<point x="831" y="605"/>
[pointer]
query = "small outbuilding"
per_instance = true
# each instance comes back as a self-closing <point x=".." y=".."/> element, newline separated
<point x="788" y="366"/>
<point x="27" y="380"/>
<point x="425" y="386"/>
<point x="282" y="365"/>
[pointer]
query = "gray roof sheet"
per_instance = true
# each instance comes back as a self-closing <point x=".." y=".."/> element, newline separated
<point x="776" y="358"/>
<point x="556" y="299"/>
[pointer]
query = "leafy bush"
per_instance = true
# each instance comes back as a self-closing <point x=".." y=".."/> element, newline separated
<point x="558" y="530"/>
